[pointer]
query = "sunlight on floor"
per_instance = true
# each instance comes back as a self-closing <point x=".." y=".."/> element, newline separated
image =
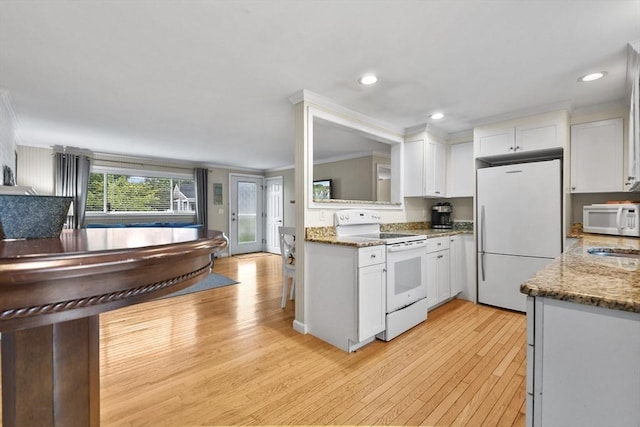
<point x="247" y="291"/>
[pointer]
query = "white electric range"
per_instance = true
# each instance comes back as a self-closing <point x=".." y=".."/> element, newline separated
<point x="406" y="273"/>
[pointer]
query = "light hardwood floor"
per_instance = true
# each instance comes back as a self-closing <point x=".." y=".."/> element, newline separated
<point x="229" y="356"/>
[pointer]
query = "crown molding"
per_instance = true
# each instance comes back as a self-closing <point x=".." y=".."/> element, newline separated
<point x="461" y="135"/>
<point x="426" y="127"/>
<point x="596" y="108"/>
<point x="565" y="105"/>
<point x="335" y="108"/>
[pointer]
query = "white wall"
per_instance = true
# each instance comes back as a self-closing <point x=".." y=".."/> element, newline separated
<point x="36" y="168"/>
<point x="351" y="178"/>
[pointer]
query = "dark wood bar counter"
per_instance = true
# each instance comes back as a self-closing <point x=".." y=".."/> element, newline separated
<point x="51" y="293"/>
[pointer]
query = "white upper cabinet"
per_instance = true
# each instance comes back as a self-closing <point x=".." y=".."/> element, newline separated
<point x="495" y="141"/>
<point x="460" y="169"/>
<point x="424" y="167"/>
<point x="436" y="165"/>
<point x="414" y="178"/>
<point x="540" y="136"/>
<point x="596" y="157"/>
<point x="522" y="136"/>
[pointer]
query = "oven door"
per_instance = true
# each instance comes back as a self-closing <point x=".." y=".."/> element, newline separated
<point x="406" y="274"/>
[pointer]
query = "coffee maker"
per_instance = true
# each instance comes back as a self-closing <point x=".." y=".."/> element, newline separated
<point x="442" y="216"/>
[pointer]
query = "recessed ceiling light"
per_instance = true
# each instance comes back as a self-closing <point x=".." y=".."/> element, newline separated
<point x="368" y="79"/>
<point x="437" y="116"/>
<point x="592" y="76"/>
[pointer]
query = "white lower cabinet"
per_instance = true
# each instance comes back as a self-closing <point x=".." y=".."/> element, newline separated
<point x="457" y="265"/>
<point x="583" y="365"/>
<point x="346" y="291"/>
<point x="438" y="281"/>
<point x="371" y="292"/>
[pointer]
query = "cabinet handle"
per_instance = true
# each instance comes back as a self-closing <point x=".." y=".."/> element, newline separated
<point x="573" y="188"/>
<point x="630" y="178"/>
<point x="511" y="148"/>
<point x="517" y="147"/>
<point x="439" y="244"/>
<point x="627" y="183"/>
<point x="437" y="192"/>
<point x="373" y="255"/>
<point x="440" y="256"/>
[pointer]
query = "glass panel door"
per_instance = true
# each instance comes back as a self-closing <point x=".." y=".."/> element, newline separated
<point x="245" y="216"/>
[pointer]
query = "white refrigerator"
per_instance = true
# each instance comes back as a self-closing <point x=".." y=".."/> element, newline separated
<point x="519" y="228"/>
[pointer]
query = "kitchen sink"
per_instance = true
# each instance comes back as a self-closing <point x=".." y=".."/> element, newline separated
<point x="616" y="252"/>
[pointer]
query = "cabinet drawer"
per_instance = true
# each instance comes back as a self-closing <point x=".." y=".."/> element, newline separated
<point x="371" y="255"/>
<point x="437" y="244"/>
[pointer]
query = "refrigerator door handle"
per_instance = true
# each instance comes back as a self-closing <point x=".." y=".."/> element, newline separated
<point x="482" y="232"/>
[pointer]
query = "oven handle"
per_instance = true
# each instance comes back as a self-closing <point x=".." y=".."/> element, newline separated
<point x="406" y="247"/>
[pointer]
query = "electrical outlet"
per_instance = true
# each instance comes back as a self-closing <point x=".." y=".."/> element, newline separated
<point x="322" y="217"/>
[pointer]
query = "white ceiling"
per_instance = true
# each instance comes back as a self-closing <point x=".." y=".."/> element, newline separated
<point x="209" y="81"/>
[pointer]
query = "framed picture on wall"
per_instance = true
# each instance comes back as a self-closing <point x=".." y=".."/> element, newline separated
<point x="322" y="189"/>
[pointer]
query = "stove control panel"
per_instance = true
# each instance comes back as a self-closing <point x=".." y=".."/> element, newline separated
<point x="357" y="217"/>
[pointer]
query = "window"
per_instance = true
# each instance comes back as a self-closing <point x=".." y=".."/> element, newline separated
<point x="148" y="192"/>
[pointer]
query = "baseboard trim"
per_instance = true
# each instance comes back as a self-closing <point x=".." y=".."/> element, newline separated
<point x="300" y="327"/>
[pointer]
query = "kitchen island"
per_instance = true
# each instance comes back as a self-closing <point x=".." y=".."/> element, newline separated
<point x="583" y="336"/>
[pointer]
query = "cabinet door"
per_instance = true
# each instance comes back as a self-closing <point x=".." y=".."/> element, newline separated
<point x="596" y="157"/>
<point x="438" y="287"/>
<point x="460" y="170"/>
<point x="496" y="141"/>
<point x="414" y="178"/>
<point x="432" y="279"/>
<point x="541" y="136"/>
<point x="456" y="264"/>
<point x="443" y="277"/>
<point x="589" y="361"/>
<point x="435" y="168"/>
<point x="440" y="167"/>
<point x="371" y="300"/>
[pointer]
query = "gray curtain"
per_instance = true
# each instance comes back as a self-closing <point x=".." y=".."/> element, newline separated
<point x="72" y="180"/>
<point x="202" y="199"/>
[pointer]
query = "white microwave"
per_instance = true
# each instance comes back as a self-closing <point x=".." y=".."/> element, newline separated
<point x="616" y="219"/>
